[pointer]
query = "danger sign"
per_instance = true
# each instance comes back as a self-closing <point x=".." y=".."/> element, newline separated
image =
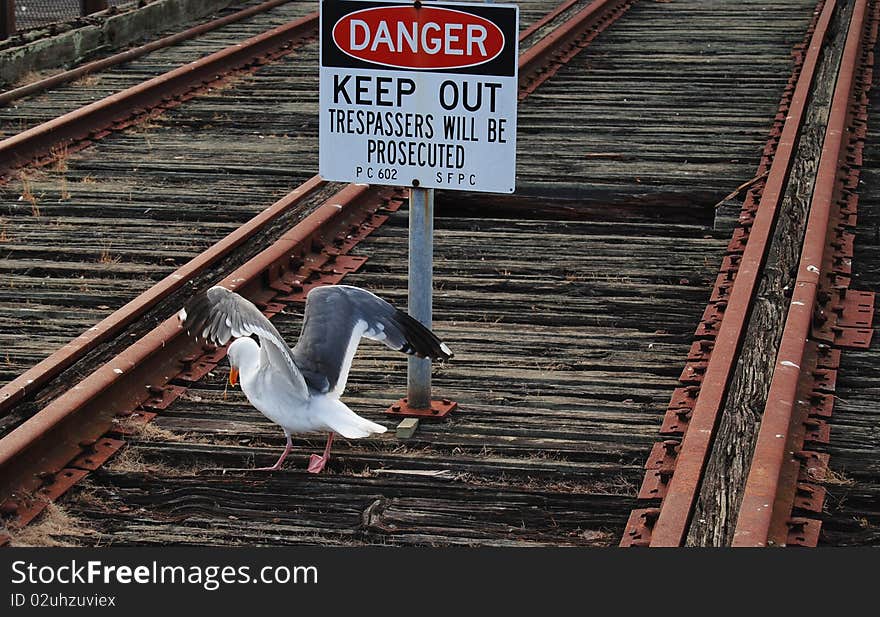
<point x="421" y="95"/>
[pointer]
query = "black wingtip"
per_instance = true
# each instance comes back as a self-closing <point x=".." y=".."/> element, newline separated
<point x="194" y="315"/>
<point x="420" y="341"/>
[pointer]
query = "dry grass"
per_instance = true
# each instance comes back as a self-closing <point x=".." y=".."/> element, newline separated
<point x="32" y="76"/>
<point x="546" y="455"/>
<point x="59" y="155"/>
<point x="214" y="439"/>
<point x="55" y="527"/>
<point x="25" y="79"/>
<point x="106" y="258"/>
<point x="65" y="193"/>
<point x="28" y="196"/>
<point x="86" y="81"/>
<point x="154" y="121"/>
<point x="129" y="460"/>
<point x="58" y="165"/>
<point x="147" y="431"/>
<point x="834" y="478"/>
<point x="86" y="494"/>
<point x="364" y="472"/>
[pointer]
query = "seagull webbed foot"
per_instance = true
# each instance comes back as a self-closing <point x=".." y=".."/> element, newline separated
<point x="317" y="463"/>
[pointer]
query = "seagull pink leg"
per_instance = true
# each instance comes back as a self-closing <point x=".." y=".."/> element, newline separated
<point x="317" y="463"/>
<point x="283" y="456"/>
<point x="274" y="467"/>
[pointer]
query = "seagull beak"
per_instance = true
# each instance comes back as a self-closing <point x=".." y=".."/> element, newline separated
<point x="233" y="375"/>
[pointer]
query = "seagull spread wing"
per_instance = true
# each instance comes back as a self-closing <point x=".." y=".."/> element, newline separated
<point x="219" y="314"/>
<point x="336" y="317"/>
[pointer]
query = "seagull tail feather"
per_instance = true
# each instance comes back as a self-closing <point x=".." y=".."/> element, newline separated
<point x="340" y="419"/>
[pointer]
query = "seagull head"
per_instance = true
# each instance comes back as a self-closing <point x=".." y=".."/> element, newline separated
<point x="244" y="357"/>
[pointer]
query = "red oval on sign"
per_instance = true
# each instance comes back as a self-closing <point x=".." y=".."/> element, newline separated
<point x="423" y="38"/>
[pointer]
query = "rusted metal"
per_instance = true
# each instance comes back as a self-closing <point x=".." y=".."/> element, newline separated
<point x="35" y="378"/>
<point x="802" y="532"/>
<point x="97" y="453"/>
<point x="559" y="10"/>
<point x="766" y="505"/>
<point x="676" y="420"/>
<point x="165" y="89"/>
<point x="639" y="526"/>
<point x="27" y="507"/>
<point x="855" y="309"/>
<point x="543" y="60"/>
<point x="34" y="453"/>
<point x="813" y="465"/>
<point x="693" y="409"/>
<point x="438" y="409"/>
<point x="660" y="466"/>
<point x="129" y="54"/>
<point x="95" y="120"/>
<point x="677" y="506"/>
<point x="809" y="497"/>
<point x="38" y="455"/>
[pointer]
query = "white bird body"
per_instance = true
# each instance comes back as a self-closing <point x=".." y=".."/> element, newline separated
<point x="299" y="388"/>
<point x="274" y="394"/>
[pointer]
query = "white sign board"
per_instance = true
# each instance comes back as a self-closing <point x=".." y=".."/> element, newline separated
<point x="418" y="94"/>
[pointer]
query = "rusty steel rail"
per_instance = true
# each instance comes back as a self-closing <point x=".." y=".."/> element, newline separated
<point x="675" y="469"/>
<point x="674" y="516"/>
<point x="559" y="10"/>
<point x="774" y="487"/>
<point x="806" y="364"/>
<point x="167" y="89"/>
<point x="92" y="121"/>
<point x="59" y="442"/>
<point x="130" y="54"/>
<point x="543" y="60"/>
<point x="48" y="453"/>
<point x="36" y="377"/>
<point x="39" y="375"/>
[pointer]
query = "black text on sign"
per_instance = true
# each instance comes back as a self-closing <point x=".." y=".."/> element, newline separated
<point x="421" y="96"/>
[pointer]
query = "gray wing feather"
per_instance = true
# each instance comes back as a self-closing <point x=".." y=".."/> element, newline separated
<point x="337" y="316"/>
<point x="219" y="315"/>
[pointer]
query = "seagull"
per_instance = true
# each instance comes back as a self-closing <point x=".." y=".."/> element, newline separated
<point x="299" y="388"/>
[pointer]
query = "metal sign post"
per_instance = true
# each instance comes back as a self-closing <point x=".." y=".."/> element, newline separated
<point x="421" y="289"/>
<point x="420" y="95"/>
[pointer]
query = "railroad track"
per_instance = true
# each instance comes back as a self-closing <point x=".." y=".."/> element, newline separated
<point x="132" y="204"/>
<point x="558" y="402"/>
<point x="362" y="208"/>
<point x="740" y="467"/>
